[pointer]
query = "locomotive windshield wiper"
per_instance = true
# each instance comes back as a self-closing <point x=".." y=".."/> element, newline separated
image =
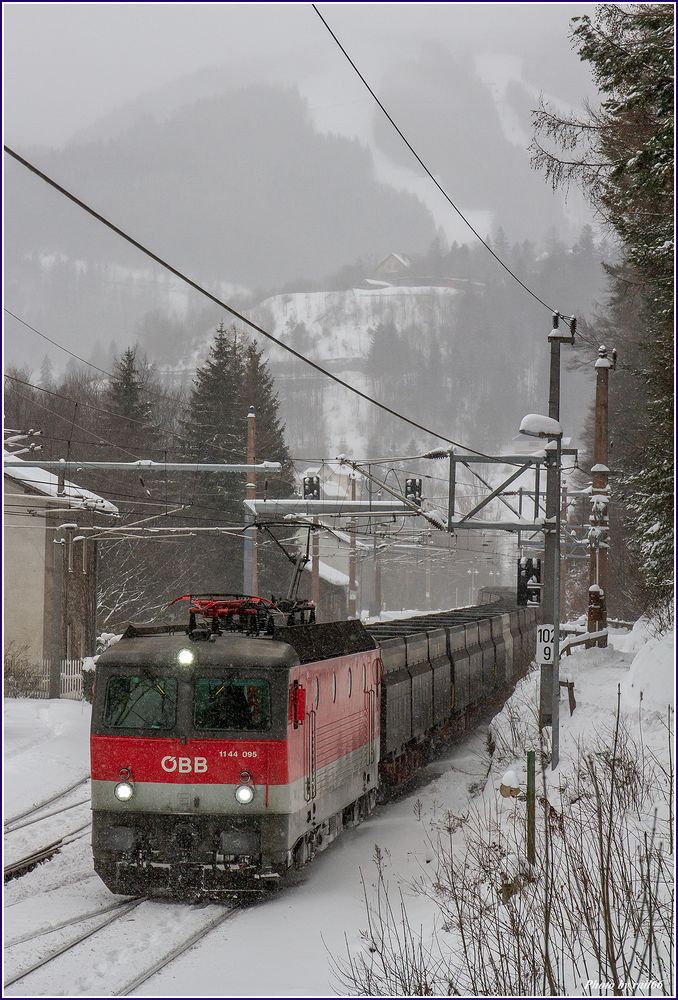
<point x="130" y="707"/>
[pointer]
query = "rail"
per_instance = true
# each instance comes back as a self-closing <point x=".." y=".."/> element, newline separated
<point x="170" y="956"/>
<point x="123" y="911"/>
<point x="46" y="853"/>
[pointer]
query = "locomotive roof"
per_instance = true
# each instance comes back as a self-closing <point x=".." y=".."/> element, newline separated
<point x="231" y="649"/>
<point x="289" y="645"/>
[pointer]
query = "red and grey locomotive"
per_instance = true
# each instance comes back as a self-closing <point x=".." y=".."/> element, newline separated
<point x="227" y="753"/>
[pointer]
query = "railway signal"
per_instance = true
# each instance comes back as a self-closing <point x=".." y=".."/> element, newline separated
<point x="413" y="491"/>
<point x="529" y="584"/>
<point x="311" y="487"/>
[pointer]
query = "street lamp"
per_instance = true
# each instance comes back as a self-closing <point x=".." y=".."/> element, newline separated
<point x="539" y="426"/>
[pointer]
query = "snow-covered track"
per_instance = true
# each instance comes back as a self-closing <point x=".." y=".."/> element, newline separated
<point x="45" y="853"/>
<point x="121" y="911"/>
<point x="69" y="922"/>
<point x="116" y="911"/>
<point x="38" y="819"/>
<point x="46" y="802"/>
<point x="139" y="980"/>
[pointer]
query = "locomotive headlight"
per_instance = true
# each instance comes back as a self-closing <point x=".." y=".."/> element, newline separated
<point x="185" y="657"/>
<point x="124" y="791"/>
<point x="244" y="794"/>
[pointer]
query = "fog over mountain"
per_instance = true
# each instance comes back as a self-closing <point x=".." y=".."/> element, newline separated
<point x="237" y="142"/>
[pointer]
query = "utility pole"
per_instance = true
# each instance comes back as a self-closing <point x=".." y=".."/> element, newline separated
<point x="250" y="572"/>
<point x="600" y="493"/>
<point x="376" y="557"/>
<point x="315" y="567"/>
<point x="352" y="582"/>
<point x="549" y="688"/>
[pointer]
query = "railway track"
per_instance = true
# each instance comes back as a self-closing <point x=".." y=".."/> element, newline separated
<point x="41" y="854"/>
<point x="38" y="819"/>
<point x="69" y="922"/>
<point x="163" y="962"/>
<point x="45" y="802"/>
<point x="120" y="910"/>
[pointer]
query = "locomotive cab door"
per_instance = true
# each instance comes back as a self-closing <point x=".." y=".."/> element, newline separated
<point x="310" y="756"/>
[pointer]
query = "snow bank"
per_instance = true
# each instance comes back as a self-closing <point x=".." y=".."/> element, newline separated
<point x="652" y="676"/>
<point x="46" y="749"/>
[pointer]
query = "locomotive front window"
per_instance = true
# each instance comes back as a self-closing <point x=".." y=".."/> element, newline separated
<point x="145" y="702"/>
<point x="232" y="704"/>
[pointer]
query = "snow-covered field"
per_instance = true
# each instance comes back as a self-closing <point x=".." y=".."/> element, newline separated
<point x="288" y="945"/>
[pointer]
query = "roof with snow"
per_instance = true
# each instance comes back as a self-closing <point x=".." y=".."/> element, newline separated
<point x="405" y="261"/>
<point x="47" y="484"/>
<point x="329" y="574"/>
<point x="397" y="258"/>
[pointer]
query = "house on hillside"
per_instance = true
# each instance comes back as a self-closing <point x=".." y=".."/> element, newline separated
<point x="397" y="269"/>
<point x="392" y="268"/>
<point x="394" y="265"/>
<point x="50" y="574"/>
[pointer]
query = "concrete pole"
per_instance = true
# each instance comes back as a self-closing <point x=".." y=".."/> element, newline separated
<point x="315" y="569"/>
<point x="555" y="670"/>
<point x="451" y="490"/>
<point x="549" y="689"/>
<point x="597" y="608"/>
<point x="352" y="582"/>
<point x="250" y="569"/>
<point x="59" y="605"/>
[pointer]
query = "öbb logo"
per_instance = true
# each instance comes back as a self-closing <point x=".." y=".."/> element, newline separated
<point x="184" y="765"/>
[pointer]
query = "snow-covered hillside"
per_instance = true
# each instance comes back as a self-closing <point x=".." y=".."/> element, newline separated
<point x="337" y="329"/>
<point x="338" y="325"/>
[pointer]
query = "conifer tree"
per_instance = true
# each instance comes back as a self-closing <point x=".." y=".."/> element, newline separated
<point x="622" y="156"/>
<point x="211" y="429"/>
<point x="258" y="391"/>
<point x="47" y="373"/>
<point x="127" y="396"/>
<point x="233" y="378"/>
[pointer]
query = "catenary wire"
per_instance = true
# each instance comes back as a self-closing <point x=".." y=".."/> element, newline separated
<point x="79" y="426"/>
<point x="96" y="368"/>
<point x="116" y="378"/>
<point x="224" y="305"/>
<point x="430" y="175"/>
<point x="89" y="406"/>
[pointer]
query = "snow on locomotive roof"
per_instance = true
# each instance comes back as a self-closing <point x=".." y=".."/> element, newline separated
<point x="47" y="484"/>
<point x="158" y="645"/>
<point x="155" y="648"/>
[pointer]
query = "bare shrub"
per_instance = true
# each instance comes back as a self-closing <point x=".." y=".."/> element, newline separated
<point x="22" y="677"/>
<point x="593" y="916"/>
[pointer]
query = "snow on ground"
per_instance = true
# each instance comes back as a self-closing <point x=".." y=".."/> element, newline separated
<point x="46" y="749"/>
<point x="286" y="945"/>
